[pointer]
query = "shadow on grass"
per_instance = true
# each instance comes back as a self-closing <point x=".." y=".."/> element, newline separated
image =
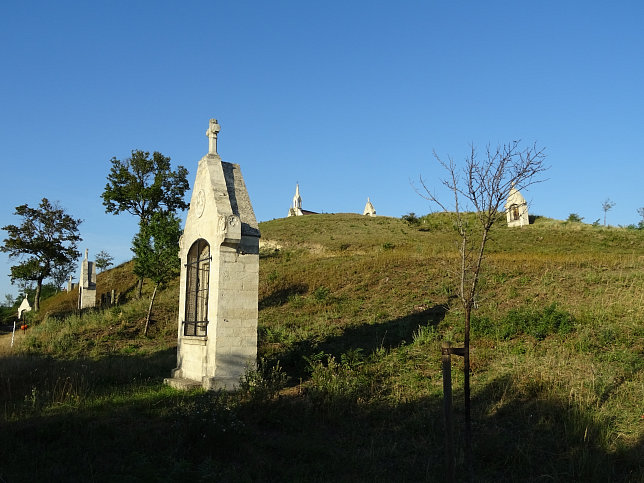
<point x="366" y="338"/>
<point x="542" y="437"/>
<point x="281" y="296"/>
<point x="31" y="382"/>
<point x="133" y="428"/>
<point x="160" y="435"/>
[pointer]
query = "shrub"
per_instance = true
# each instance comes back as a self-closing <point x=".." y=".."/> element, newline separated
<point x="321" y="294"/>
<point x="335" y="386"/>
<point x="537" y="323"/>
<point x="411" y="218"/>
<point x="263" y="383"/>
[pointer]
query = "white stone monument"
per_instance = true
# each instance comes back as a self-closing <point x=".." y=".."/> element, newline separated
<point x="87" y="284"/>
<point x="369" y="210"/>
<point x="219" y="251"/>
<point x="516" y="209"/>
<point x="296" y="206"/>
<point x="24" y="307"/>
<point x="70" y="284"/>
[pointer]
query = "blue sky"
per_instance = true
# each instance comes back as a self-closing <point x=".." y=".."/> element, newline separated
<point x="347" y="98"/>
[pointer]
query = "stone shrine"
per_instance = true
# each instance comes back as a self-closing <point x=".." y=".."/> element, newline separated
<point x="87" y="284"/>
<point x="369" y="210"/>
<point x="219" y="252"/>
<point x="24" y="307"/>
<point x="516" y="209"/>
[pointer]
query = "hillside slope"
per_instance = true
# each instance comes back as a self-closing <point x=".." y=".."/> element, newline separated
<point x="352" y="314"/>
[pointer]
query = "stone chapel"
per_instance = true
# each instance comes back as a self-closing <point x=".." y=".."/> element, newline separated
<point x="516" y="209"/>
<point x="219" y="252"/>
<point x="296" y="206"/>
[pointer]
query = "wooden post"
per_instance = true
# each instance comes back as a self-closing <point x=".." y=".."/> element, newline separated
<point x="446" y="359"/>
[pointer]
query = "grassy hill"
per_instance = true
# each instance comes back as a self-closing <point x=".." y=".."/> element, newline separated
<point x="353" y="311"/>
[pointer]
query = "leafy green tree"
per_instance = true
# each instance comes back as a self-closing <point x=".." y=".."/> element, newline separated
<point x="156" y="249"/>
<point x="640" y="211"/>
<point x="8" y="300"/>
<point x="411" y="218"/>
<point x="60" y="273"/>
<point x="103" y="260"/>
<point x="8" y="309"/>
<point x="48" y="290"/>
<point x="46" y="238"/>
<point x="144" y="185"/>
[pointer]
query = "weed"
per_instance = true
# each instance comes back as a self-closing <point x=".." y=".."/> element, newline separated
<point x="334" y="387"/>
<point x="425" y="334"/>
<point x="537" y="323"/>
<point x="264" y="382"/>
<point x="321" y="294"/>
<point x="352" y="358"/>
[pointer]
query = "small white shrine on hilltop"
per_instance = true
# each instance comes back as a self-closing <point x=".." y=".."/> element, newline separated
<point x="369" y="210"/>
<point x="24" y="307"/>
<point x="516" y="209"/>
<point x="296" y="206"/>
<point x="219" y="251"/>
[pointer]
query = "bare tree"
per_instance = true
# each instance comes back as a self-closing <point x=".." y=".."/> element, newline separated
<point x="482" y="185"/>
<point x="607" y="205"/>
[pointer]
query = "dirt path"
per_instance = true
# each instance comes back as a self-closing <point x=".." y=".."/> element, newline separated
<point x="5" y="342"/>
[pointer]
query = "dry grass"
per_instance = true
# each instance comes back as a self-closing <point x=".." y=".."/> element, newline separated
<point x="352" y="314"/>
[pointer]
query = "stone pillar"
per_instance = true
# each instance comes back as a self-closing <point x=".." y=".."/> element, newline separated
<point x="87" y="284"/>
<point x="214" y="353"/>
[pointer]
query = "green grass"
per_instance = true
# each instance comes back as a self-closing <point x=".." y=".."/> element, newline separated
<point x="353" y="311"/>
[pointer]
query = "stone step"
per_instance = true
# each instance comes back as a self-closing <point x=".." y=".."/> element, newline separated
<point x="181" y="383"/>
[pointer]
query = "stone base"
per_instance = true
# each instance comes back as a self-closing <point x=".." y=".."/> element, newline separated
<point x="220" y="383"/>
<point x="182" y="384"/>
<point x="208" y="383"/>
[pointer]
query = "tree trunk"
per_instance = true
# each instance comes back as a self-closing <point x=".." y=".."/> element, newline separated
<point x="37" y="296"/>
<point x="139" y="287"/>
<point x="466" y="394"/>
<point x="147" y="319"/>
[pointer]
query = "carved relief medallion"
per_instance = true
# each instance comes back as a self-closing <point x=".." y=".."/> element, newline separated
<point x="200" y="203"/>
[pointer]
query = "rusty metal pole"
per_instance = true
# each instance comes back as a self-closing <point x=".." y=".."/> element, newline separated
<point x="446" y="359"/>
